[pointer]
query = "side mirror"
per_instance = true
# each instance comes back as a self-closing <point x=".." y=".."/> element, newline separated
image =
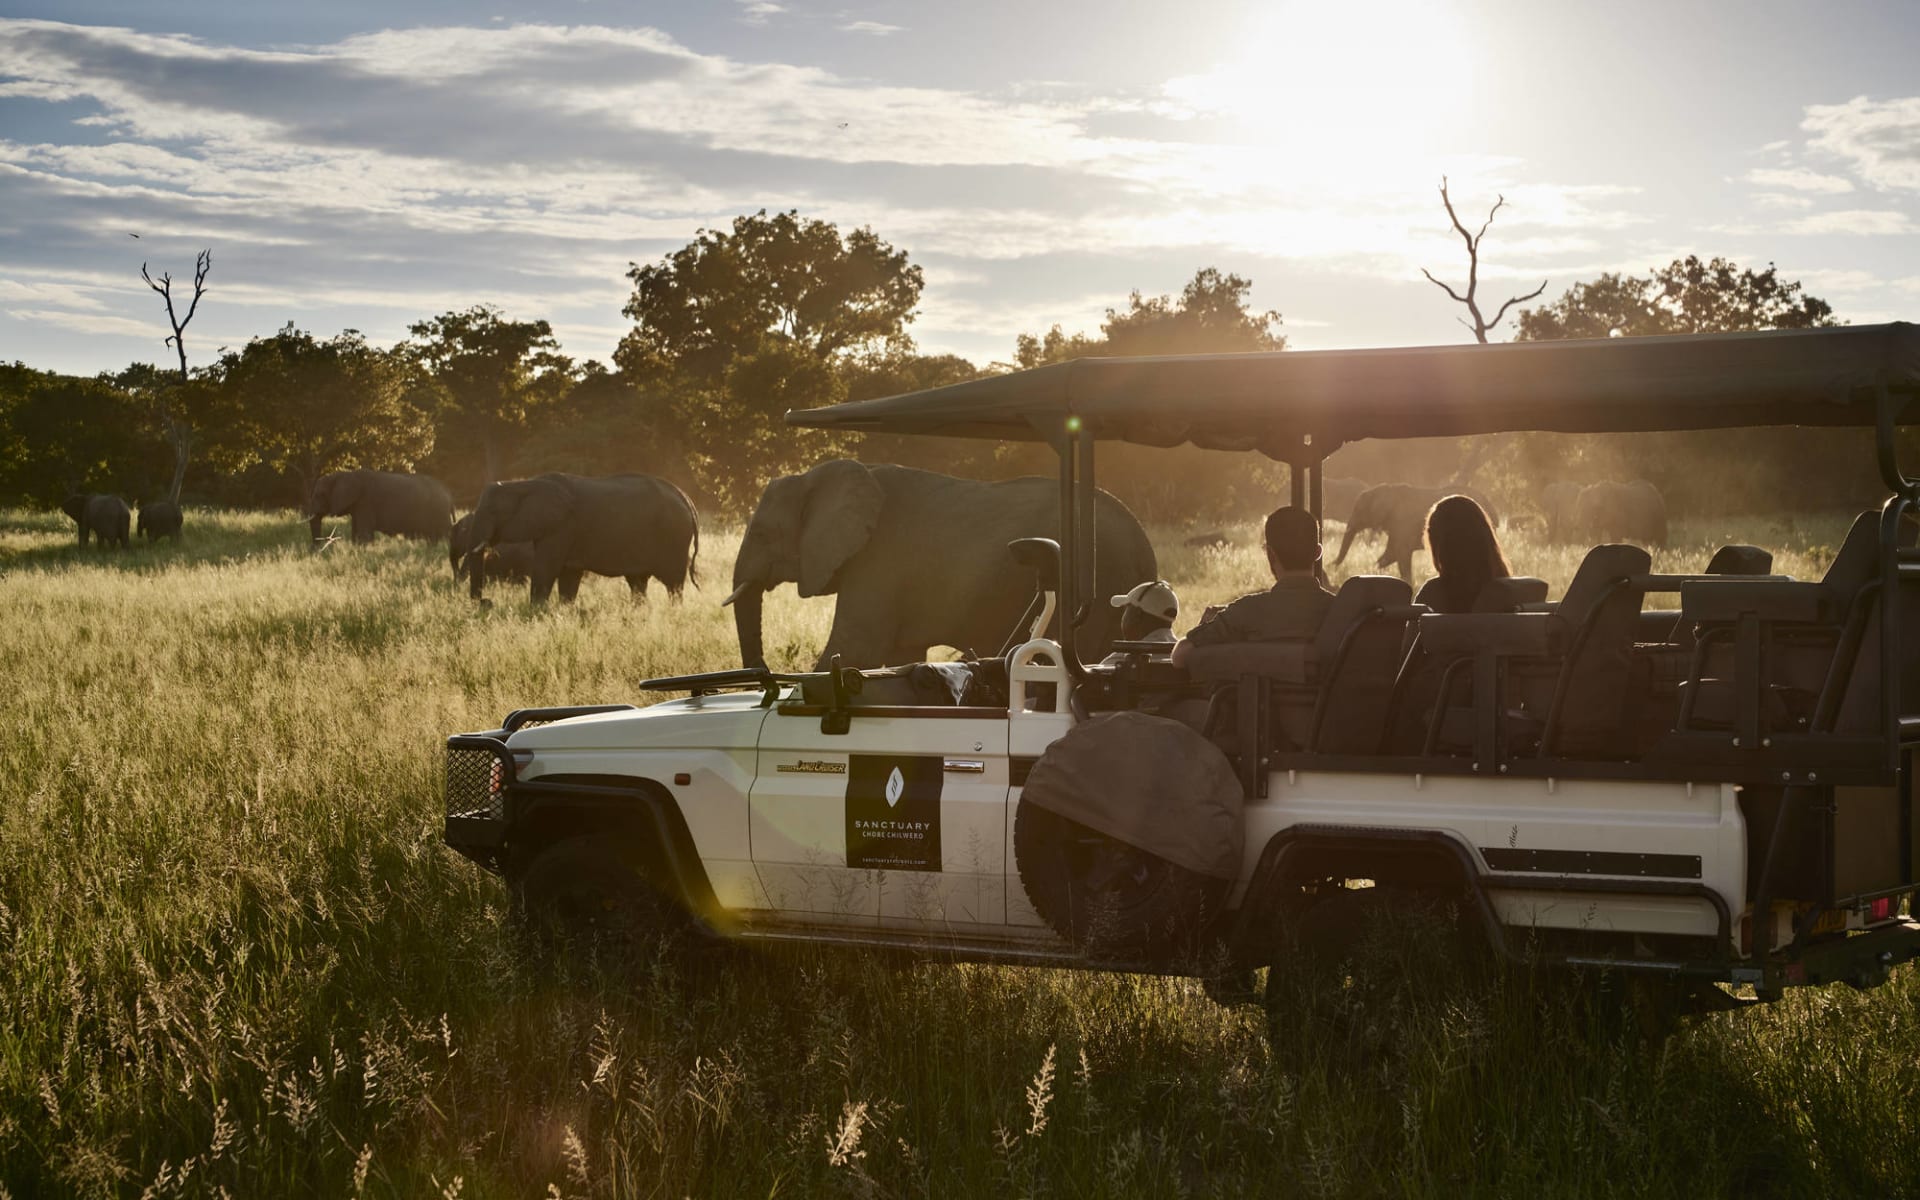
<point x="1041" y="554"/>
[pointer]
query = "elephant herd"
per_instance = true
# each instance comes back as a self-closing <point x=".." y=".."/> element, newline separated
<point x="916" y="559"/>
<point x="106" y="518"/>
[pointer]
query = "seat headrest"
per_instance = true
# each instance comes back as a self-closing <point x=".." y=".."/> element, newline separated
<point x="1858" y="562"/>
<point x="1355" y="598"/>
<point x="1508" y="594"/>
<point x="1598" y="571"/>
<point x="1740" y="560"/>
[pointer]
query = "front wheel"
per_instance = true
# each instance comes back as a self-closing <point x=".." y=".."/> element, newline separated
<point x="592" y="888"/>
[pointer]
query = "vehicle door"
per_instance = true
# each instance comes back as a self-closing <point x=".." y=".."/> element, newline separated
<point x="899" y="822"/>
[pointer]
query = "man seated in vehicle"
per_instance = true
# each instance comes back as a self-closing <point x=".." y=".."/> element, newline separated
<point x="1147" y="613"/>
<point x="1292" y="608"/>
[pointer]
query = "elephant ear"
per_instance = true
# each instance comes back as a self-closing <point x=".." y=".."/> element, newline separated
<point x="843" y="506"/>
<point x="344" y="491"/>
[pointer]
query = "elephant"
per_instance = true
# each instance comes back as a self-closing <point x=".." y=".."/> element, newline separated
<point x="459" y="543"/>
<point x="919" y="559"/>
<point x="1621" y="512"/>
<point x="634" y="526"/>
<point x="415" y="506"/>
<point x="1400" y="511"/>
<point x="1337" y="497"/>
<point x="508" y="562"/>
<point x="1557" y="504"/>
<point x="105" y="517"/>
<point x="160" y="519"/>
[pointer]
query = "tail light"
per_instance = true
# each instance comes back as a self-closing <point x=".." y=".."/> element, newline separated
<point x="1883" y="909"/>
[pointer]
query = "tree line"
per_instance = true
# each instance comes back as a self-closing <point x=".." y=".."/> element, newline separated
<point x="776" y="312"/>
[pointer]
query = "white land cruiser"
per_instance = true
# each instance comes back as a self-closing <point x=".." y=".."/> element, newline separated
<point x="1717" y="787"/>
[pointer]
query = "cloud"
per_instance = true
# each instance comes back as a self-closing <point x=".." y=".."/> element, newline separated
<point x="1799" y="179"/>
<point x="1878" y="140"/>
<point x="389" y="175"/>
<point x="1853" y="222"/>
<point x="757" y="12"/>
<point x="81" y="322"/>
<point x="1782" y="201"/>
<point x="876" y="28"/>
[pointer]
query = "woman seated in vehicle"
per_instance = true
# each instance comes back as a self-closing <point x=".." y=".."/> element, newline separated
<point x="1465" y="553"/>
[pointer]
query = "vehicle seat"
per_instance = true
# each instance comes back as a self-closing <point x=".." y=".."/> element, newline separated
<point x="1327" y="693"/>
<point x="1793" y="637"/>
<point x="1565" y="674"/>
<point x="1510" y="594"/>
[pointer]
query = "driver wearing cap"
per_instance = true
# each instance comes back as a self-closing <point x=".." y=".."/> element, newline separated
<point x="1147" y="613"/>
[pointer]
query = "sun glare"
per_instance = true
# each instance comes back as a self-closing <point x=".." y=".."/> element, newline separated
<point x="1353" y="88"/>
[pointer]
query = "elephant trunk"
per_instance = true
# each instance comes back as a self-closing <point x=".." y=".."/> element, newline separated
<point x="317" y="526"/>
<point x="748" y="602"/>
<point x="1346" y="541"/>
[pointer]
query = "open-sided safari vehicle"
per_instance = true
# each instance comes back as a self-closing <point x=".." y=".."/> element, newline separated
<point x="1702" y="778"/>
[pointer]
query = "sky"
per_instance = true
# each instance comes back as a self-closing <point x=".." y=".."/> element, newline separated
<point x="368" y="165"/>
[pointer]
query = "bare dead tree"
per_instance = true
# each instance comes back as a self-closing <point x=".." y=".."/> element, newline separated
<point x="1480" y="324"/>
<point x="173" y="418"/>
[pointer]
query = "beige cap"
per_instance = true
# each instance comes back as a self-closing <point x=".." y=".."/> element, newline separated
<point x="1156" y="599"/>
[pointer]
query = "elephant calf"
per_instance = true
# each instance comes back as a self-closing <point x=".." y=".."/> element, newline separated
<point x="634" y="526"/>
<point x="105" y="517"/>
<point x="160" y="519"/>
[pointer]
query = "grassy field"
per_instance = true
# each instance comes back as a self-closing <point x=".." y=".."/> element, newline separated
<point x="235" y="959"/>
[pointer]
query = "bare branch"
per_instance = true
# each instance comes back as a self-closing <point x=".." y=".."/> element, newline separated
<point x="1458" y="298"/>
<point x="1499" y="203"/>
<point x="1516" y="300"/>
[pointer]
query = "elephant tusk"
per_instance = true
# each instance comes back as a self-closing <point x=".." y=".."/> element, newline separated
<point x="736" y="594"/>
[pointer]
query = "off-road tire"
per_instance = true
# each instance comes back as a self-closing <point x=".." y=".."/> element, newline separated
<point x="1352" y="963"/>
<point x="1113" y="901"/>
<point x="592" y="889"/>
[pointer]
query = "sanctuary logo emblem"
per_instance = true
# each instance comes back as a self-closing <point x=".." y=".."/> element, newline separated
<point x="893" y="811"/>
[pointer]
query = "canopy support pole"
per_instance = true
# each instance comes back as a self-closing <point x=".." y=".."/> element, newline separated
<point x="1087" y="553"/>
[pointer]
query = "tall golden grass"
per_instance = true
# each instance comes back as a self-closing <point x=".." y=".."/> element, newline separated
<point x="235" y="959"/>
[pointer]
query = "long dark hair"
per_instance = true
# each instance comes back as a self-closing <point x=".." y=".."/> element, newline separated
<point x="1465" y="553"/>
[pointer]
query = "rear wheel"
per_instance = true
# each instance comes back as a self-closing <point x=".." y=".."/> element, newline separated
<point x="1110" y="899"/>
<point x="1355" y="965"/>
<point x="593" y="888"/>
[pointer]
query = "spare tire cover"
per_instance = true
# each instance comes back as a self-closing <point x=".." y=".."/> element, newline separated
<point x="1152" y="783"/>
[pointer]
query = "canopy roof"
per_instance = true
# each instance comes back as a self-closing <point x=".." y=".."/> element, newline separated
<point x="1277" y="401"/>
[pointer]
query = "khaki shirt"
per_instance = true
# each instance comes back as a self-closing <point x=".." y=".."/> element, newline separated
<point x="1291" y="608"/>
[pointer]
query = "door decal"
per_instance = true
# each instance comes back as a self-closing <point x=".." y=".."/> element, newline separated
<point x="893" y="811"/>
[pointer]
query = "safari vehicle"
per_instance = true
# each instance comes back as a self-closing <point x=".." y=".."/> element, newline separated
<point x="1695" y="778"/>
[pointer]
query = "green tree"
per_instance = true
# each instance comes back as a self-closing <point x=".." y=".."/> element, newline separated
<point x="305" y="407"/>
<point x="1685" y="296"/>
<point x="735" y="431"/>
<point x="65" y="433"/>
<point x="605" y="424"/>
<point x="1726" y="470"/>
<point x="1210" y="316"/>
<point x="893" y="373"/>
<point x="784" y="277"/>
<point x="494" y="373"/>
